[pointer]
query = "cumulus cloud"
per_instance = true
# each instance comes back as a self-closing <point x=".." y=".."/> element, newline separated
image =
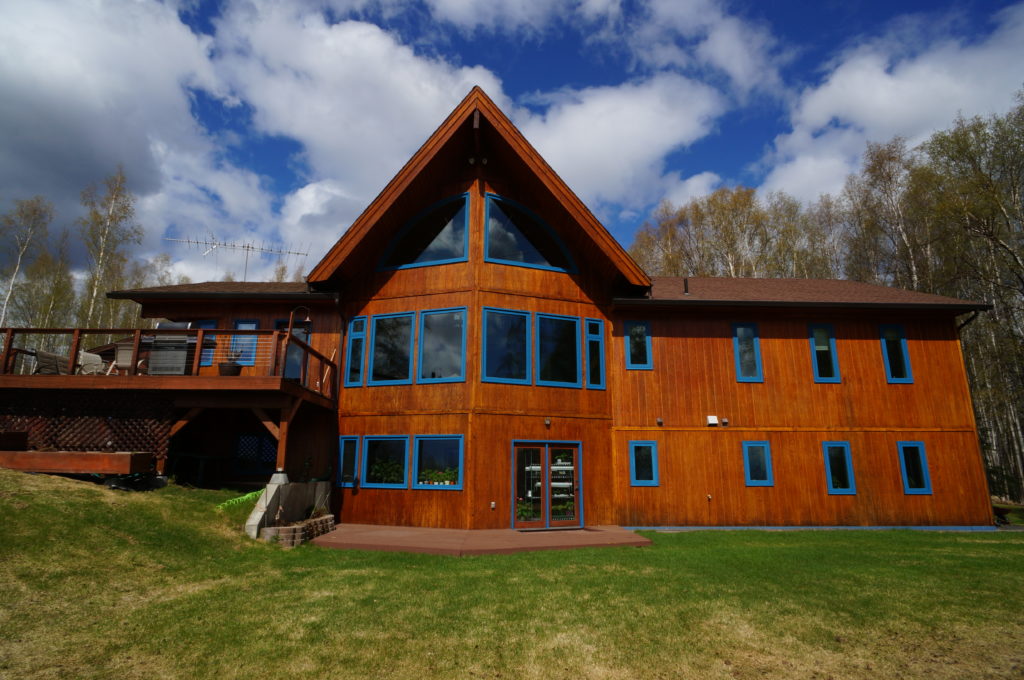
<point x="610" y="143"/>
<point x="906" y="83"/>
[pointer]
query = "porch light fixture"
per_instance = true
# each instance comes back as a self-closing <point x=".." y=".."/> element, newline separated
<point x="547" y="422"/>
<point x="660" y="422"/>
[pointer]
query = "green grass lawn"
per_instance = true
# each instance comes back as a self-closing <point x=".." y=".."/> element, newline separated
<point x="102" y="584"/>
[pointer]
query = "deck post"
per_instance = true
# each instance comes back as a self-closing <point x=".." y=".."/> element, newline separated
<point x="287" y="413"/>
<point x="5" y="364"/>
<point x="76" y="341"/>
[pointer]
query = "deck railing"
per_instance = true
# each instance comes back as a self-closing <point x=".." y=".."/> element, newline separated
<point x="167" y="352"/>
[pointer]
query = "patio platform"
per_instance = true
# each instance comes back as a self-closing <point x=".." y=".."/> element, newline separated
<point x="460" y="542"/>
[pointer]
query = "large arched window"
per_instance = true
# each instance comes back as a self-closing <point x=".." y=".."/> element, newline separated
<point x="438" y="235"/>
<point x="516" y="236"/>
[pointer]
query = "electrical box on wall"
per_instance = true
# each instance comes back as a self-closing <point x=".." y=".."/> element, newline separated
<point x="712" y="421"/>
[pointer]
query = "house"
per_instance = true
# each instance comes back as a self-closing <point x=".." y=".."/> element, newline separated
<point x="488" y="356"/>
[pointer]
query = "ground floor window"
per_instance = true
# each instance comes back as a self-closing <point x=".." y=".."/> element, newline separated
<point x="757" y="463"/>
<point x="643" y="463"/>
<point x="914" y="468"/>
<point x="839" y="468"/>
<point x="437" y="462"/>
<point x="385" y="460"/>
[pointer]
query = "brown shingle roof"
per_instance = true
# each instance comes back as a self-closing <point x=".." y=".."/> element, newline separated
<point x="676" y="290"/>
<point x="265" y="290"/>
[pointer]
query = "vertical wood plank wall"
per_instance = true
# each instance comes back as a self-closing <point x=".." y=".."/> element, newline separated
<point x="693" y="377"/>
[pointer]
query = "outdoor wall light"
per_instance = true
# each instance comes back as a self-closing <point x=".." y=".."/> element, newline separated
<point x="660" y="422"/>
<point x="547" y="422"/>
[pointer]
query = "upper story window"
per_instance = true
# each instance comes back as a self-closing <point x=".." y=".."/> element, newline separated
<point x="438" y="235"/>
<point x="245" y="345"/>
<point x="595" y="354"/>
<point x="558" y="350"/>
<point x="506" y="355"/>
<point x="746" y="346"/>
<point x="442" y="353"/>
<point x="894" y="354"/>
<point x="638" y="345"/>
<point x="356" y="348"/>
<point x="391" y="349"/>
<point x="823" y="353"/>
<point x="516" y="236"/>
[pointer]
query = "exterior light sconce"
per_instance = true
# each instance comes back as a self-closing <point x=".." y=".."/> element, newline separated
<point x="660" y="422"/>
<point x="712" y="421"/>
<point x="725" y="422"/>
<point x="547" y="422"/>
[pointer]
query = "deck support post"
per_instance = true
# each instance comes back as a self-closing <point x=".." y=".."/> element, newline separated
<point x="287" y="414"/>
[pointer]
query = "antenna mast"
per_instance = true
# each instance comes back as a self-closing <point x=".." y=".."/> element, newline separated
<point x="211" y="244"/>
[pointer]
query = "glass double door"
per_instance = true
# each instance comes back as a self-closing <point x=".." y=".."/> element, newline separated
<point x="547" y="485"/>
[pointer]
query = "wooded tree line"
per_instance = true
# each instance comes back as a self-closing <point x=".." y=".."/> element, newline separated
<point x="41" y="288"/>
<point x="946" y="217"/>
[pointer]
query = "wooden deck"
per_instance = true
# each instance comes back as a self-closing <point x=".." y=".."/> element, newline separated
<point x="78" y="462"/>
<point x="459" y="542"/>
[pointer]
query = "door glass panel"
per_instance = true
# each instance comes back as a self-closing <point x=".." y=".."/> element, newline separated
<point x="563" y="484"/>
<point x="529" y="485"/>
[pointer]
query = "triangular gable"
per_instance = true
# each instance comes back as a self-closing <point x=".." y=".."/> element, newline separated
<point x="478" y="103"/>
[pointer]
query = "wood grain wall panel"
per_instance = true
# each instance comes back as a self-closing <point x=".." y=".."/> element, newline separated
<point x="696" y="464"/>
<point x="694" y="376"/>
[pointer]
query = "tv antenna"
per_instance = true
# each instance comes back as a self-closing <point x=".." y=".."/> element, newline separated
<point x="211" y="244"/>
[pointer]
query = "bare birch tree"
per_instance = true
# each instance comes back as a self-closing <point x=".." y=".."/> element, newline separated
<point x="24" y="228"/>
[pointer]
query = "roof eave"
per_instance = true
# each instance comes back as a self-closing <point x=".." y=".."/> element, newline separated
<point x="920" y="306"/>
<point x="131" y="295"/>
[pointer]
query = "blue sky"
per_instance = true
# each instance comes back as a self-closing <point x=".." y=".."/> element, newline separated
<point x="278" y="122"/>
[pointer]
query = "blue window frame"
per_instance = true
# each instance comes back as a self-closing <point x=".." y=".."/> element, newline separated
<point x="558" y="351"/>
<point x="757" y="463"/>
<point x="914" y="468"/>
<point x="442" y="347"/>
<point x="643" y="463"/>
<point x="348" y="463"/>
<point x="746" y="348"/>
<point x="506" y="346"/>
<point x="245" y="345"/>
<point x="437" y="462"/>
<point x="438" y="235"/>
<point x="637" y="335"/>
<point x="839" y="468"/>
<point x="385" y="462"/>
<point x="209" y="341"/>
<point x="823" y="353"/>
<point x="894" y="354"/>
<point x="391" y="349"/>
<point x="595" y="353"/>
<point x="515" y="235"/>
<point x="355" y="352"/>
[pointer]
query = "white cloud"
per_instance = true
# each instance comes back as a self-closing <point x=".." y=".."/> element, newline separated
<point x="680" y="191"/>
<point x="880" y="89"/>
<point x="610" y="143"/>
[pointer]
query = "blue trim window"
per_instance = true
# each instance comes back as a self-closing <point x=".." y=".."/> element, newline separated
<point x="442" y="350"/>
<point x="746" y="347"/>
<point x="757" y="463"/>
<point x="839" y="468"/>
<point x="643" y="463"/>
<point x="823" y="353"/>
<point x="438" y="235"/>
<point x="637" y="335"/>
<point x="385" y="461"/>
<point x="348" y="453"/>
<point x="558" y="351"/>
<point x="437" y="462"/>
<point x="506" y="346"/>
<point x="391" y="345"/>
<point x="356" y="350"/>
<point x="515" y="235"/>
<point x="245" y="345"/>
<point x="914" y="468"/>
<point x="894" y="354"/>
<point x="209" y="341"/>
<point x="595" y="353"/>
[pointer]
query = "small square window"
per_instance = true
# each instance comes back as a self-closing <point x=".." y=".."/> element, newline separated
<point x="757" y="463"/>
<point x="437" y="462"/>
<point x="643" y="463"/>
<point x="914" y="468"/>
<point x="839" y="468"/>
<point x="385" y="461"/>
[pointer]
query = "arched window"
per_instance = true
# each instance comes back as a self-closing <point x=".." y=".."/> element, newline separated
<point x="438" y="235"/>
<point x="518" y="237"/>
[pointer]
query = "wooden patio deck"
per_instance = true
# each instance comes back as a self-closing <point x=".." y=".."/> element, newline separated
<point x="460" y="542"/>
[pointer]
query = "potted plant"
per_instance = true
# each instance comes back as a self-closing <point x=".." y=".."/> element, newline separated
<point x="231" y="366"/>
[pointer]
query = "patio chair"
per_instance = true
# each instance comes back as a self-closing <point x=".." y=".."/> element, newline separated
<point x="48" y="363"/>
<point x="89" y="364"/>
